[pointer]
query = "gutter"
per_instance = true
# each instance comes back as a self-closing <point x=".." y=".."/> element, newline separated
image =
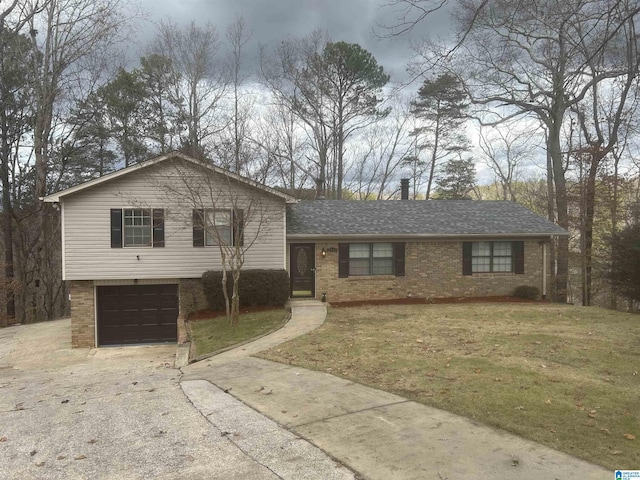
<point x="423" y="236"/>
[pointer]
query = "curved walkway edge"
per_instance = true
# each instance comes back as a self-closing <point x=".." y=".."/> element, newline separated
<point x="376" y="434"/>
<point x="306" y="315"/>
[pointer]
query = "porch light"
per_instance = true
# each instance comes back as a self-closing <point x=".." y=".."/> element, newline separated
<point x="324" y="252"/>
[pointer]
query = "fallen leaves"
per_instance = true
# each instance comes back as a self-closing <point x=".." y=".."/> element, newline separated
<point x="3" y="439"/>
<point x="629" y="436"/>
<point x="547" y="401"/>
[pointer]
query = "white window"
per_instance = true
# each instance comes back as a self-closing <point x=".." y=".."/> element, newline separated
<point x="137" y="227"/>
<point x="370" y="259"/>
<point x="491" y="257"/>
<point x="218" y="227"/>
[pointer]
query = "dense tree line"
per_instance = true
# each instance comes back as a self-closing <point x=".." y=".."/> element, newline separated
<point x="538" y="97"/>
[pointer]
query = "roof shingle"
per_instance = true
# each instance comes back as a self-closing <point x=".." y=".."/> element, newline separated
<point x="415" y="218"/>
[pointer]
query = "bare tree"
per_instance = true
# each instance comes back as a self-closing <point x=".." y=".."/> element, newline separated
<point x="534" y="58"/>
<point x="601" y="116"/>
<point x="294" y="77"/>
<point x="334" y="88"/>
<point x="504" y="151"/>
<point x="65" y="35"/>
<point x="236" y="136"/>
<point x="381" y="156"/>
<point x="283" y="143"/>
<point x="16" y="91"/>
<point x="225" y="210"/>
<point x="193" y="53"/>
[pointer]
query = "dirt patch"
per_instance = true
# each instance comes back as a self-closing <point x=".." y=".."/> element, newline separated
<point x="442" y="300"/>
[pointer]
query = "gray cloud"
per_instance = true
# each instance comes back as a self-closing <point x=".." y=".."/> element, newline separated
<point x="272" y="21"/>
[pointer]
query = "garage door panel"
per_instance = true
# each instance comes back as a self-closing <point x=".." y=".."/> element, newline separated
<point x="137" y="314"/>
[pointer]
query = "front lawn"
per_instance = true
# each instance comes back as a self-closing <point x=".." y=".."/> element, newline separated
<point x="563" y="376"/>
<point x="214" y="334"/>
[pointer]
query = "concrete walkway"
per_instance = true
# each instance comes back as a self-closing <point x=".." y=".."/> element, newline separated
<point x="376" y="434"/>
<point x="123" y="413"/>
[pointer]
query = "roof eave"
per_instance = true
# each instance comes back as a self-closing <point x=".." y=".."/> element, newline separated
<point x="421" y="236"/>
<point x="55" y="197"/>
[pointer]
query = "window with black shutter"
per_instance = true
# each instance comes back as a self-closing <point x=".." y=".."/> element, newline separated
<point x="368" y="259"/>
<point x="213" y="227"/>
<point x="198" y="228"/>
<point x="137" y="227"/>
<point x="492" y="257"/>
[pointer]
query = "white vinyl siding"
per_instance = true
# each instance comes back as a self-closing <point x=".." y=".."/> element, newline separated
<point x="86" y="231"/>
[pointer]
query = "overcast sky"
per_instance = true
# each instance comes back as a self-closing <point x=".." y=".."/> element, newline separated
<point x="272" y="21"/>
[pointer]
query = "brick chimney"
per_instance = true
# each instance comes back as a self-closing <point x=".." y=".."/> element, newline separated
<point x="404" y="189"/>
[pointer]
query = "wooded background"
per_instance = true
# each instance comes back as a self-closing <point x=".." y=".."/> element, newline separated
<point x="529" y="101"/>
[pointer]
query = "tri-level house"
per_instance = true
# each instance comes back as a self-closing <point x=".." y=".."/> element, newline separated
<point x="136" y="242"/>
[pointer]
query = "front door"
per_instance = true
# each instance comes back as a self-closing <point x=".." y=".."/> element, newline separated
<point x="302" y="264"/>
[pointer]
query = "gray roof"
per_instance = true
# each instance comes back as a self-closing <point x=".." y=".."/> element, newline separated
<point x="396" y="218"/>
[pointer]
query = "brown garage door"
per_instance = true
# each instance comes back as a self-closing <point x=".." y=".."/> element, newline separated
<point x="137" y="314"/>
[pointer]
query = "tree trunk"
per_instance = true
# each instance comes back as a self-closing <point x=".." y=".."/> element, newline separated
<point x="434" y="155"/>
<point x="590" y="200"/>
<point x="562" y="267"/>
<point x="227" y="305"/>
<point x="7" y="211"/>
<point x="613" y="301"/>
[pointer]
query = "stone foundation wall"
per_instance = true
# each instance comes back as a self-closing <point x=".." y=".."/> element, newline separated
<point x="191" y="298"/>
<point x="83" y="322"/>
<point x="433" y="270"/>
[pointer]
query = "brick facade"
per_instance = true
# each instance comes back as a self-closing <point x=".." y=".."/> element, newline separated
<point x="83" y="329"/>
<point x="433" y="270"/>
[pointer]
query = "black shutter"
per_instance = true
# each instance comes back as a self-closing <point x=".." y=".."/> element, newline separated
<point x="238" y="227"/>
<point x="343" y="260"/>
<point x="398" y="259"/>
<point x="466" y="258"/>
<point x="198" y="228"/>
<point x="158" y="227"/>
<point x="116" y="228"/>
<point x="518" y="257"/>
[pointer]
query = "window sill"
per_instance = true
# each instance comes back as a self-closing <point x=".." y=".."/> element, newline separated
<point x="370" y="277"/>
<point x="492" y="274"/>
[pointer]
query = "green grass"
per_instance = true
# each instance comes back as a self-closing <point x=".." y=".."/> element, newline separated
<point x="211" y="335"/>
<point x="564" y="376"/>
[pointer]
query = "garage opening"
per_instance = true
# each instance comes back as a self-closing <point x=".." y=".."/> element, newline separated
<point x="130" y="314"/>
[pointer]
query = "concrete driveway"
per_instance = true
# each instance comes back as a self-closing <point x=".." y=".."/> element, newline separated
<point x="121" y="413"/>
